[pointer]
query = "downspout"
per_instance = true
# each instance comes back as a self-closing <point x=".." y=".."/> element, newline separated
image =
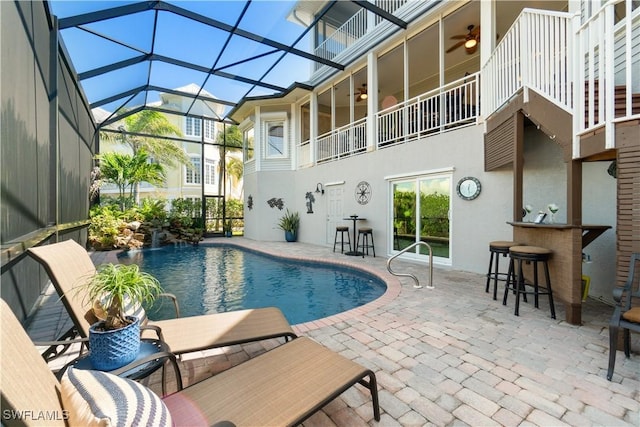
<point x="54" y="134"/>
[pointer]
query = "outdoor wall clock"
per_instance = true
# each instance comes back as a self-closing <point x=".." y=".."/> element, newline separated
<point x="468" y="188"/>
<point x="363" y="192"/>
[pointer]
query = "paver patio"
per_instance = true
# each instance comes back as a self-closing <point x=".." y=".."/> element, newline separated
<point x="446" y="356"/>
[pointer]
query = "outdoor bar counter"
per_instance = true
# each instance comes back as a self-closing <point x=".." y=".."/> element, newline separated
<point x="565" y="266"/>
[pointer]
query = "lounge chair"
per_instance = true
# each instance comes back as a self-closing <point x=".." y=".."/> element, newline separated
<point x="69" y="265"/>
<point x="283" y="386"/>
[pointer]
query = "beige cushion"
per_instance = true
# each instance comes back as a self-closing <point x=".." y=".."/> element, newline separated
<point x="632" y="315"/>
<point x="94" y="398"/>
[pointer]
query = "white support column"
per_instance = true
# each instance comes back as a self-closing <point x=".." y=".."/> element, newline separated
<point x="609" y="77"/>
<point x="488" y="30"/>
<point x="372" y="101"/>
<point x="294" y="135"/>
<point x="313" y="127"/>
<point x="258" y="136"/>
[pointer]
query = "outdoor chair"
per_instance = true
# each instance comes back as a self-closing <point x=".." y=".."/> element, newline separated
<point x="69" y="266"/>
<point x="281" y="387"/>
<point x="626" y="315"/>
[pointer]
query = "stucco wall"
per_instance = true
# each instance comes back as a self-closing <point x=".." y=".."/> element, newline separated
<point x="473" y="223"/>
<point x="545" y="181"/>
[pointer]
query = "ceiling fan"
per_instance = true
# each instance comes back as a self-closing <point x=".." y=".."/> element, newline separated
<point x="469" y="40"/>
<point x="361" y="93"/>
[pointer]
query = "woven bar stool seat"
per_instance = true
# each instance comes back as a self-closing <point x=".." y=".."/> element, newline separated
<point x="497" y="248"/>
<point x="364" y="233"/>
<point x="342" y="229"/>
<point x="515" y="278"/>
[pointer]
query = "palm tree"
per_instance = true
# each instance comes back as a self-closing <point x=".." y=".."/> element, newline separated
<point x="235" y="168"/>
<point x="163" y="151"/>
<point x="127" y="171"/>
<point x="228" y="141"/>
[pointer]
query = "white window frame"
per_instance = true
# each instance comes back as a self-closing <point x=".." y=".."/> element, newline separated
<point x="209" y="130"/>
<point x="190" y="174"/>
<point x="209" y="171"/>
<point x="271" y="120"/>
<point x="246" y="127"/>
<point x="192" y="126"/>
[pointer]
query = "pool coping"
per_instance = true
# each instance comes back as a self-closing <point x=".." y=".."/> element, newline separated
<point x="393" y="283"/>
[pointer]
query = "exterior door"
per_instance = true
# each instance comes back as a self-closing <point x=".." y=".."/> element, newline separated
<point x="335" y="212"/>
<point x="421" y="213"/>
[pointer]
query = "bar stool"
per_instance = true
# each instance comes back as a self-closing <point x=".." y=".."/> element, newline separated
<point x="516" y="283"/>
<point x="342" y="229"/>
<point x="364" y="233"/>
<point x="497" y="248"/>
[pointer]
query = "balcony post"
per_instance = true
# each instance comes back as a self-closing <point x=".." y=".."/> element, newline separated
<point x="372" y="101"/>
<point x="313" y="137"/>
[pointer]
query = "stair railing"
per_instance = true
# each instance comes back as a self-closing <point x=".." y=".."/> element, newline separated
<point x="412" y="276"/>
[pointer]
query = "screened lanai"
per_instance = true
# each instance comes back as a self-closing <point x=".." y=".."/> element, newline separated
<point x="80" y="68"/>
<point x="127" y="53"/>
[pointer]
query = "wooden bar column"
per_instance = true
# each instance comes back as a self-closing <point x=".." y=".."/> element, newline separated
<point x="518" y="165"/>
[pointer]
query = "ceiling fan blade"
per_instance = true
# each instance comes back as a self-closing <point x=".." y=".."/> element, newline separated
<point x="457" y="37"/>
<point x="475" y="31"/>
<point x="455" y="46"/>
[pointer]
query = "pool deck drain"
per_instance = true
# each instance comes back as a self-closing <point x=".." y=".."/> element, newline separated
<point x="446" y="356"/>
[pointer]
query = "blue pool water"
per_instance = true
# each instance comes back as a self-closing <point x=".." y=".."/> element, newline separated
<point x="215" y="278"/>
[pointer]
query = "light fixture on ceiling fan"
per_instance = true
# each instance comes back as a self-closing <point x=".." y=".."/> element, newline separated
<point x="469" y="40"/>
<point x="361" y="93"/>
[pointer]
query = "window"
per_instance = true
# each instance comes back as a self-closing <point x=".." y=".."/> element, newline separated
<point x="209" y="130"/>
<point x="193" y="174"/>
<point x="247" y="137"/>
<point x="275" y="139"/>
<point x="209" y="172"/>
<point x="192" y="126"/>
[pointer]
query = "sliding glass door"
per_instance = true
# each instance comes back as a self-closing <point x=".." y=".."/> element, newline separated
<point x="421" y="213"/>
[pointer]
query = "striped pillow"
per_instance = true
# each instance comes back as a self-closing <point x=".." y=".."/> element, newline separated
<point x="94" y="398"/>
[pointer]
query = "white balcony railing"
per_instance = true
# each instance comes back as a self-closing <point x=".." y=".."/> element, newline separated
<point x="353" y="29"/>
<point x="534" y="53"/>
<point x="342" y="142"/>
<point x="608" y="70"/>
<point x="450" y="106"/>
<point x="343" y="37"/>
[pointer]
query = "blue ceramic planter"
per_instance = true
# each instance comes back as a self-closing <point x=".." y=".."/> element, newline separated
<point x="290" y="236"/>
<point x="111" y="350"/>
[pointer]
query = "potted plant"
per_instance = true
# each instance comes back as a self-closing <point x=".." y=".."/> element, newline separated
<point x="290" y="222"/>
<point x="228" y="228"/>
<point x="115" y="341"/>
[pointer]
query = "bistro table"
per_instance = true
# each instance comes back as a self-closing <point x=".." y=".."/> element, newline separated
<point x="151" y="357"/>
<point x="354" y="252"/>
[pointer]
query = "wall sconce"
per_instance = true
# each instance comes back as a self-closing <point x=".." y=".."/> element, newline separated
<point x="319" y="188"/>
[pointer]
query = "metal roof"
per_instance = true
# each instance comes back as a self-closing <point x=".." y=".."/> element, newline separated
<point x="129" y="55"/>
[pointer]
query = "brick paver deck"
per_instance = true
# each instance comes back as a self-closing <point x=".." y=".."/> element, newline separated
<point x="447" y="356"/>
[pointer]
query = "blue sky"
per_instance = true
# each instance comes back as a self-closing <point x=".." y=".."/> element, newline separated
<point x="185" y="40"/>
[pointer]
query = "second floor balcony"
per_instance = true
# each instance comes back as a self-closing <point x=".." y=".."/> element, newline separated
<point x="448" y="107"/>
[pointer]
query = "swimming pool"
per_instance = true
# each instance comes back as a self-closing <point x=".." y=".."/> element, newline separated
<point x="216" y="278"/>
